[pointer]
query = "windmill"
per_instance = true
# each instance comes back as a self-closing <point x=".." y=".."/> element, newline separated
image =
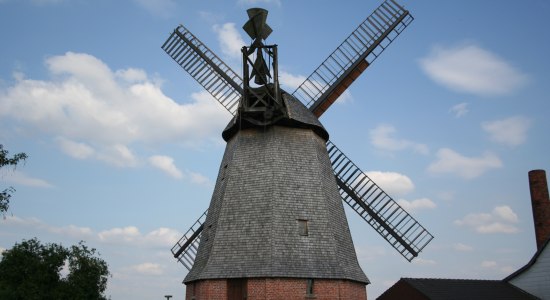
<point x="276" y="210"/>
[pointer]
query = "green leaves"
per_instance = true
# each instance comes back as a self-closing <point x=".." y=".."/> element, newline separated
<point x="31" y="270"/>
<point x="5" y="160"/>
<point x="13" y="161"/>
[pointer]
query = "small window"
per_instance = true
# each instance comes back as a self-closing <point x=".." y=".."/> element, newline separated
<point x="309" y="287"/>
<point x="223" y="172"/>
<point x="303" y="229"/>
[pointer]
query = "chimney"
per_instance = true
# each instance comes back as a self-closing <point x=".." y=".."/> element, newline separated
<point x="540" y="203"/>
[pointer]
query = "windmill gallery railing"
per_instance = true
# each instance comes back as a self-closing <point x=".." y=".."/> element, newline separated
<point x="353" y="56"/>
<point x="376" y="207"/>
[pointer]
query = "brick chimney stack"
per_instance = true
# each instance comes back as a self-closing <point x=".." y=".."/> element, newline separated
<point x="540" y="203"/>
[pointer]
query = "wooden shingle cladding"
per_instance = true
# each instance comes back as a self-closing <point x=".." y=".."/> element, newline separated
<point x="272" y="177"/>
<point x="454" y="289"/>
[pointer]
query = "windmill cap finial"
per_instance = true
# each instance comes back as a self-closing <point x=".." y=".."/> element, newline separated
<point x="256" y="26"/>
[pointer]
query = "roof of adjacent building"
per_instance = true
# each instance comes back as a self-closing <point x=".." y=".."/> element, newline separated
<point x="529" y="264"/>
<point x="449" y="289"/>
<point x="270" y="180"/>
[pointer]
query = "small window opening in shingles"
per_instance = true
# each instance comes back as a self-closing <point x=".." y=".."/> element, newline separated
<point x="309" y="287"/>
<point x="223" y="171"/>
<point x="303" y="229"/>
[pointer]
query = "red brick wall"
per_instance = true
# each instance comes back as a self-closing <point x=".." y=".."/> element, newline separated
<point x="209" y="289"/>
<point x="280" y="289"/>
<point x="540" y="202"/>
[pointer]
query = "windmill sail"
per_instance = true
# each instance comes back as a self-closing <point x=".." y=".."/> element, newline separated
<point x="353" y="56"/>
<point x="205" y="67"/>
<point x="185" y="250"/>
<point x="376" y="207"/>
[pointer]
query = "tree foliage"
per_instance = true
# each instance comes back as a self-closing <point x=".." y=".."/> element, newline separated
<point x="31" y="270"/>
<point x="5" y="160"/>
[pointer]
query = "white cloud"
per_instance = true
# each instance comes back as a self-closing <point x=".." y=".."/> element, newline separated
<point x="148" y="269"/>
<point x="290" y="82"/>
<point x="462" y="247"/>
<point x="93" y="112"/>
<point x="165" y="164"/>
<point x="125" y="234"/>
<point x="500" y="220"/>
<point x="371" y="253"/>
<point x="471" y="69"/>
<point x="71" y="230"/>
<point x="497" y="228"/>
<point x="118" y="155"/>
<point x="424" y="262"/>
<point x="506" y="213"/>
<point x="163" y="8"/>
<point x="82" y="233"/>
<point x="230" y="40"/>
<point x="381" y="137"/>
<point x="345" y="97"/>
<point x="446" y="195"/>
<point x="130" y="235"/>
<point x="488" y="264"/>
<point x="164" y="237"/>
<point x="416" y="205"/>
<point x="493" y="265"/>
<point x="20" y="178"/>
<point x="511" y="131"/>
<point x="132" y="75"/>
<point x="460" y="109"/>
<point x="391" y="182"/>
<point x="449" y="161"/>
<point x="2" y="250"/>
<point x="13" y="220"/>
<point x="75" y="149"/>
<point x="198" y="178"/>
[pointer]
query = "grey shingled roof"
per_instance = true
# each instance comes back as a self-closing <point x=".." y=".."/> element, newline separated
<point x="298" y="116"/>
<point x="455" y="289"/>
<point x="270" y="178"/>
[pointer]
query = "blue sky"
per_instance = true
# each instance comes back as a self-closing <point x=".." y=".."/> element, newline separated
<point x="124" y="146"/>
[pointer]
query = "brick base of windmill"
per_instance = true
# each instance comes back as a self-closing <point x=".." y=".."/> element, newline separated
<point x="276" y="289"/>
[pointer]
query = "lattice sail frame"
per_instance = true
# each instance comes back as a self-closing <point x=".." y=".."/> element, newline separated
<point x="383" y="213"/>
<point x="185" y="250"/>
<point x="205" y="67"/>
<point x="353" y="56"/>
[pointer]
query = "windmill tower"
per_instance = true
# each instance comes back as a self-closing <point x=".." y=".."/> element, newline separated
<point x="275" y="227"/>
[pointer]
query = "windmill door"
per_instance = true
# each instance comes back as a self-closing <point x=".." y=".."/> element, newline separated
<point x="236" y="289"/>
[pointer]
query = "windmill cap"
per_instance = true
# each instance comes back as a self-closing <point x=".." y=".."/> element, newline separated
<point x="298" y="117"/>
